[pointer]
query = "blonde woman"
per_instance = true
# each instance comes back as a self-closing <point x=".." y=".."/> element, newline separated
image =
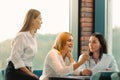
<point x="24" y="47"/>
<point x="59" y="61"/>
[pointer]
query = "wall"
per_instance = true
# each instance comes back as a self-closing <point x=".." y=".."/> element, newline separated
<point x="86" y="24"/>
<point x="100" y="16"/>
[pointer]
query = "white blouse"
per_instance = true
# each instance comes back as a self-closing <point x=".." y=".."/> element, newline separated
<point x="55" y="65"/>
<point x="23" y="50"/>
<point x="107" y="61"/>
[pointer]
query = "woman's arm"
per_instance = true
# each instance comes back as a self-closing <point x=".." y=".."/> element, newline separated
<point x="83" y="58"/>
<point x="58" y="64"/>
<point x="17" y="51"/>
<point x="81" y="70"/>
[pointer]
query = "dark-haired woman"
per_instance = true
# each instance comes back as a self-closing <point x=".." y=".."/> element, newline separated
<point x="100" y="60"/>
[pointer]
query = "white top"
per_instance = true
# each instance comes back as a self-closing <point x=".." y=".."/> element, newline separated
<point x="55" y="65"/>
<point x="107" y="61"/>
<point x="23" y="50"/>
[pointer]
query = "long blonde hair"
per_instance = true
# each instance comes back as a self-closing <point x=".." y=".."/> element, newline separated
<point x="61" y="40"/>
<point x="31" y="14"/>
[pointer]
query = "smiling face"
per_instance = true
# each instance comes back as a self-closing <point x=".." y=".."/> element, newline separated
<point x="64" y="42"/>
<point x="94" y="44"/>
<point x="69" y="44"/>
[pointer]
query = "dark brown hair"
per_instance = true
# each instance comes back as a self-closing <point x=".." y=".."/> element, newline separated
<point x="101" y="39"/>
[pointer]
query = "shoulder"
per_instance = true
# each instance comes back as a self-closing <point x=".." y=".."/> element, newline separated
<point x="53" y="53"/>
<point x="21" y="34"/>
<point x="108" y="56"/>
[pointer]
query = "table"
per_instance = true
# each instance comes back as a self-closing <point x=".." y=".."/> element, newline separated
<point x="70" y="78"/>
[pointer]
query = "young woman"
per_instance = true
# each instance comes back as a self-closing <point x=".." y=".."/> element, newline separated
<point x="99" y="59"/>
<point x="24" y="47"/>
<point x="59" y="61"/>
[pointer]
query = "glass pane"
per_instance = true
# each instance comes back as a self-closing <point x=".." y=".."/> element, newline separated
<point x="116" y="30"/>
<point x="55" y="18"/>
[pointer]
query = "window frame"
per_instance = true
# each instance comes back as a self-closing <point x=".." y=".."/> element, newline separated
<point x="73" y="28"/>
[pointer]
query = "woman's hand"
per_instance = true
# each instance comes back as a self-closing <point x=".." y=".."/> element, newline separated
<point x="108" y="69"/>
<point x="35" y="76"/>
<point x="86" y="72"/>
<point x="84" y="57"/>
<point x="70" y="57"/>
<point x="69" y="54"/>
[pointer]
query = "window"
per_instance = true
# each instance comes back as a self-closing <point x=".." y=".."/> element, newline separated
<point x="55" y="17"/>
<point x="107" y="17"/>
<point x="113" y="29"/>
<point x="116" y="30"/>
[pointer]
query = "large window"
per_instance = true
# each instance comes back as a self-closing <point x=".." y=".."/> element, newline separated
<point x="116" y="30"/>
<point x="107" y="15"/>
<point x="113" y="29"/>
<point x="55" y="18"/>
